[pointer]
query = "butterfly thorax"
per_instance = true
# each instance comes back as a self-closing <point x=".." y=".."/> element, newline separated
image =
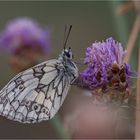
<point x="66" y="57"/>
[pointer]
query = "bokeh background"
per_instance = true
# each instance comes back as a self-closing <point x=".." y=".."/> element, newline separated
<point x="91" y="20"/>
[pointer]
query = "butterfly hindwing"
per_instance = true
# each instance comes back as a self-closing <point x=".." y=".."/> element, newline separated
<point x="35" y="94"/>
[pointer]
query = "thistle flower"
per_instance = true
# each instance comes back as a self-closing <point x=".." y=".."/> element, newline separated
<point x="26" y="42"/>
<point x="106" y="68"/>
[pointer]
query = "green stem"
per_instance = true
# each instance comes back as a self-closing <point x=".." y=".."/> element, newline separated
<point x="56" y="123"/>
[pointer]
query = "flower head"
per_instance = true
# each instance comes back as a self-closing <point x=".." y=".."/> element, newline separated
<point x="105" y="66"/>
<point x="26" y="42"/>
<point x="24" y="32"/>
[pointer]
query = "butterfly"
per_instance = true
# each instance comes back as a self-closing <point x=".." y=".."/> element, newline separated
<point x="37" y="93"/>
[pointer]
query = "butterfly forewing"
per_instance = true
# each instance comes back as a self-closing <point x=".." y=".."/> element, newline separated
<point x="37" y="93"/>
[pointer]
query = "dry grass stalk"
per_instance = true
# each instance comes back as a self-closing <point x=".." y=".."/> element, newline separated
<point x="132" y="38"/>
<point x="137" y="123"/>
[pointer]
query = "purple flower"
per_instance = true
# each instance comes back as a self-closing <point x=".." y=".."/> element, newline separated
<point x="24" y="32"/>
<point x="26" y="42"/>
<point x="105" y="66"/>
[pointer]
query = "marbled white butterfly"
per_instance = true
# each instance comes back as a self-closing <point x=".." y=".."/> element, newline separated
<point x="36" y="94"/>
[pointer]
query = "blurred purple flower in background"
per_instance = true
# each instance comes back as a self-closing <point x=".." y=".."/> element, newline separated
<point x="24" y="31"/>
<point x="26" y="41"/>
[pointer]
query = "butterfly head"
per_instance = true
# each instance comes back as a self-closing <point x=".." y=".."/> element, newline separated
<point x="66" y="54"/>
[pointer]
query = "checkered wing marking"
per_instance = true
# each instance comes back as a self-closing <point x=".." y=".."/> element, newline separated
<point x="35" y="94"/>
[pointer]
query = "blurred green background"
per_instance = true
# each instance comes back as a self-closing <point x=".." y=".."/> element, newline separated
<point x="91" y="20"/>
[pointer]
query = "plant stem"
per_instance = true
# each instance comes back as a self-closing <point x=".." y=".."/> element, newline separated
<point x="56" y="123"/>
<point x="137" y="122"/>
<point x="132" y="38"/>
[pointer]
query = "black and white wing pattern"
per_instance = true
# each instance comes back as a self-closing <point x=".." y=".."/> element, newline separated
<point x="35" y="94"/>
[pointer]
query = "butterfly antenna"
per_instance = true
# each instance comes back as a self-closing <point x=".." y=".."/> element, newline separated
<point x="65" y="42"/>
<point x="64" y="36"/>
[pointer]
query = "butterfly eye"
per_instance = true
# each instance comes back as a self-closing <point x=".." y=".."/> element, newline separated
<point x="67" y="54"/>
